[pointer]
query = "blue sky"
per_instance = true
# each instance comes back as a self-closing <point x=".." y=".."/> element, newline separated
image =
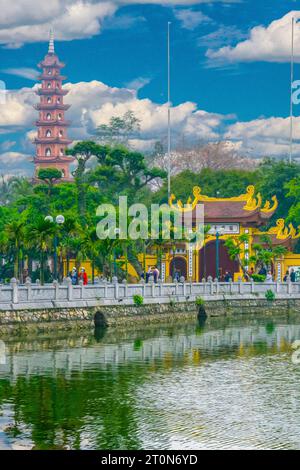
<point x="222" y="89"/>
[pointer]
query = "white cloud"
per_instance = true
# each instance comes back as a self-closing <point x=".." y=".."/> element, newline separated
<point x="190" y="19"/>
<point x="24" y="72"/>
<point x="18" y="110"/>
<point x="94" y="103"/>
<point x="271" y="43"/>
<point x="265" y="137"/>
<point x="7" y="145"/>
<point x="138" y="83"/>
<point x="24" y="21"/>
<point x="224" y="35"/>
<point x="13" y="158"/>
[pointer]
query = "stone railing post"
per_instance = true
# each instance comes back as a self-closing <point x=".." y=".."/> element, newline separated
<point x="70" y="289"/>
<point x="56" y="290"/>
<point x="217" y="286"/>
<point x="80" y="283"/>
<point x="240" y="287"/>
<point x="289" y="287"/>
<point x="153" y="289"/>
<point x="116" y="287"/>
<point x="29" y="291"/>
<point x="14" y="285"/>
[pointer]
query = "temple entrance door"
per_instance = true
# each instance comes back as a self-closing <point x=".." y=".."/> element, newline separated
<point x="178" y="264"/>
<point x="207" y="262"/>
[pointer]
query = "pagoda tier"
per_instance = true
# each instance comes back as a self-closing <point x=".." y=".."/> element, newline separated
<point x="51" y="91"/>
<point x="51" y="106"/>
<point x="52" y="122"/>
<point x="46" y="76"/>
<point x="50" y="161"/>
<point x="52" y="139"/>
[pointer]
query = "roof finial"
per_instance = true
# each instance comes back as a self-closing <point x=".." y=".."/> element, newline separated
<point x="51" y="42"/>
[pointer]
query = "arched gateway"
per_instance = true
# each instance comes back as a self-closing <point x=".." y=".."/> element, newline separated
<point x="178" y="264"/>
<point x="207" y="261"/>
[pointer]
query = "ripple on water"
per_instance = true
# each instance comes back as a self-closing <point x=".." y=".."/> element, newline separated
<point x="230" y="384"/>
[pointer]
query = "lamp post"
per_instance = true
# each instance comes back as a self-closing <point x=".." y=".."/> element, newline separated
<point x="59" y="220"/>
<point x="218" y="233"/>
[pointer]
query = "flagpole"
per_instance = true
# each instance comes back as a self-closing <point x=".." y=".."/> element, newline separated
<point x="291" y="95"/>
<point x="169" y="114"/>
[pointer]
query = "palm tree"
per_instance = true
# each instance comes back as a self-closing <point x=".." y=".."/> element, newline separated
<point x="20" y="187"/>
<point x="15" y="233"/>
<point x="5" y="191"/>
<point x="68" y="242"/>
<point x="40" y="235"/>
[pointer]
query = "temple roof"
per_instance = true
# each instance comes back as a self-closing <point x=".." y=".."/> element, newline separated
<point x="247" y="208"/>
<point x="279" y="235"/>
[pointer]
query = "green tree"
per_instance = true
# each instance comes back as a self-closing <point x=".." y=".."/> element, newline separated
<point x="50" y="176"/>
<point x="40" y="234"/>
<point x="119" y="129"/>
<point x="83" y="152"/>
<point x="274" y="178"/>
<point x="15" y="238"/>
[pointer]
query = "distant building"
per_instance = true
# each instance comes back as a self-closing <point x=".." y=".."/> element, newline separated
<point x="52" y="139"/>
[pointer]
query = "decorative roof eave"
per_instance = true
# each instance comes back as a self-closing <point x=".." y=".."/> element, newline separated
<point x="252" y="202"/>
<point x="281" y="231"/>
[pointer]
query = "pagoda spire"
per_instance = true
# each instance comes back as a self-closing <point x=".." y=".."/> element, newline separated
<point x="51" y="42"/>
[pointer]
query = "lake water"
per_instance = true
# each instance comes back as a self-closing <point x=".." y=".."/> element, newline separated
<point x="222" y="384"/>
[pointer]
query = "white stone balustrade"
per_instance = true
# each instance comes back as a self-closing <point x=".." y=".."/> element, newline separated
<point x="29" y="295"/>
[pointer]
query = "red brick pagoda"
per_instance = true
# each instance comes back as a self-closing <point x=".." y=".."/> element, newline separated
<point x="52" y="139"/>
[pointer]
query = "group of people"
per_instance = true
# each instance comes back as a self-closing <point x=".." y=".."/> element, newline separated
<point x="76" y="277"/>
<point x="268" y="276"/>
<point x="290" y="275"/>
<point x="152" y="271"/>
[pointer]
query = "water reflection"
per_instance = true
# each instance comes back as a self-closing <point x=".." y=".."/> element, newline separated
<point x="220" y="383"/>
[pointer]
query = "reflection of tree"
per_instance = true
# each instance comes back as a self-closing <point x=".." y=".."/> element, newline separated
<point x="60" y="410"/>
<point x="98" y="403"/>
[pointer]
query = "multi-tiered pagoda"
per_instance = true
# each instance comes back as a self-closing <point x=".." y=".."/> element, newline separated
<point x="52" y="139"/>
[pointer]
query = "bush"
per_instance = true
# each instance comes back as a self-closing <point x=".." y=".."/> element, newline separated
<point x="270" y="296"/>
<point x="138" y="299"/>
<point x="199" y="301"/>
<point x="258" y="277"/>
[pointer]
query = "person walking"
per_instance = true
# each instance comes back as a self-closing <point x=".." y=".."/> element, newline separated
<point x="148" y="274"/>
<point x="269" y="278"/>
<point x="156" y="274"/>
<point x="286" y="277"/>
<point x="83" y="276"/>
<point x="293" y="275"/>
<point x="74" y="276"/>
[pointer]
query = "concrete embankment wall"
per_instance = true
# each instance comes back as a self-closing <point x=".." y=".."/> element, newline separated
<point x="119" y="315"/>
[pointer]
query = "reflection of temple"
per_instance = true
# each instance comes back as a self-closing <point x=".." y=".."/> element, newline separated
<point x="52" y="139"/>
<point x="230" y="217"/>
